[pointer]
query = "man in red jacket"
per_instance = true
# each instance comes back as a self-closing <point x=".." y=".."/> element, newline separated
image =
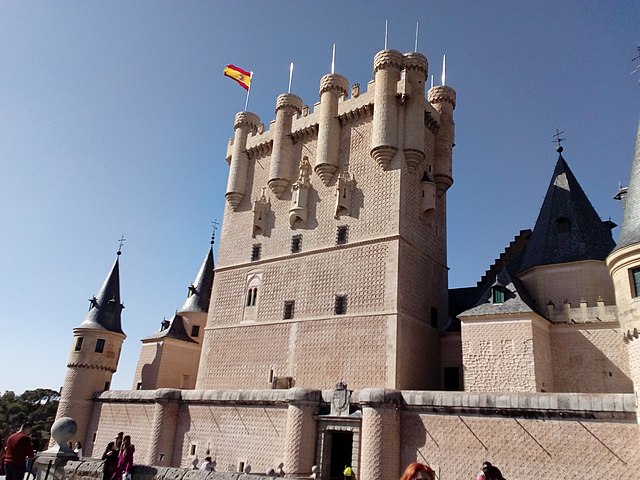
<point x="16" y="451"/>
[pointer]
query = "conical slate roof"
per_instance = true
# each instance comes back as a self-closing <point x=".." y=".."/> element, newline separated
<point x="175" y="330"/>
<point x="568" y="228"/>
<point x="105" y="308"/>
<point x="200" y="290"/>
<point x="630" y="232"/>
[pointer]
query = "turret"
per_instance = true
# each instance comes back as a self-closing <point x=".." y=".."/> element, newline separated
<point x="428" y="195"/>
<point x="196" y="305"/>
<point x="416" y="72"/>
<point x="287" y="105"/>
<point x="245" y="123"/>
<point x="332" y="88"/>
<point x="94" y="356"/>
<point x="443" y="99"/>
<point x="387" y="65"/>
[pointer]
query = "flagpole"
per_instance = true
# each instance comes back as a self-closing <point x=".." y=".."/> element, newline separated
<point x="246" y="103"/>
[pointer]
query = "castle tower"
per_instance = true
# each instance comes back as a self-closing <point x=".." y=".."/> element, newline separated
<point x="245" y="123"/>
<point x="347" y="281"/>
<point x="332" y="88"/>
<point x="287" y="105"/>
<point x="95" y="352"/>
<point x="624" y="265"/>
<point x="387" y="66"/>
<point x="170" y="357"/>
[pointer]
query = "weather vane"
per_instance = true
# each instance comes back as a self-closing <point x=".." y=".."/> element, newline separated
<point x="215" y="227"/>
<point x="558" y="140"/>
<point x="121" y="241"/>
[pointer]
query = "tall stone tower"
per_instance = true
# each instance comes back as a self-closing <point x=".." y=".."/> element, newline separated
<point x="624" y="265"/>
<point x="332" y="263"/>
<point x="94" y="355"/>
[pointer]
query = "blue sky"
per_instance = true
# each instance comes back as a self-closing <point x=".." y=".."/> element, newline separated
<point x="115" y="116"/>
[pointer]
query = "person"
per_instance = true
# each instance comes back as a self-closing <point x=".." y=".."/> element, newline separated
<point x="347" y="472"/>
<point x="125" y="459"/>
<point x="16" y="452"/>
<point x="110" y="457"/>
<point x="418" y="471"/>
<point x="490" y="472"/>
<point x="208" y="465"/>
<point x="78" y="449"/>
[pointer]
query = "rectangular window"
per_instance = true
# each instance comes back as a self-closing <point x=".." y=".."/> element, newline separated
<point x="195" y="330"/>
<point x="256" y="251"/>
<point x="635" y="282"/>
<point x="79" y="343"/>
<point x="192" y="450"/>
<point x="498" y="294"/>
<point x="434" y="317"/>
<point x="139" y="386"/>
<point x="107" y="385"/>
<point x="296" y="243"/>
<point x="100" y="345"/>
<point x="288" y="309"/>
<point x="340" y="307"/>
<point x="342" y="234"/>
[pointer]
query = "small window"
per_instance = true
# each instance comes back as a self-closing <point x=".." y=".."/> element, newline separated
<point x="107" y="385"/>
<point x="100" y="345"/>
<point x="288" y="309"/>
<point x="192" y="449"/>
<point x="139" y="386"/>
<point x="95" y="435"/>
<point x="296" y="243"/>
<point x="252" y="296"/>
<point x="564" y="225"/>
<point x="635" y="281"/>
<point x="195" y="330"/>
<point x="434" y="317"/>
<point x="342" y="235"/>
<point x="256" y="250"/>
<point x="340" y="307"/>
<point x="79" y="341"/>
<point x="497" y="294"/>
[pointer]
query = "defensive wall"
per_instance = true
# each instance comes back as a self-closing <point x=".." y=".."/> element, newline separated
<point x="542" y="435"/>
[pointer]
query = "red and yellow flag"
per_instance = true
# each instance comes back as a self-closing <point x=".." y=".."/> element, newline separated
<point x="239" y="75"/>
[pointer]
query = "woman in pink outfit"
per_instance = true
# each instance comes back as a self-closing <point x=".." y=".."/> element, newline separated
<point x="125" y="459"/>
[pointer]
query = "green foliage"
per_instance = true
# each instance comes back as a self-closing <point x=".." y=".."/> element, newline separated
<point x="37" y="407"/>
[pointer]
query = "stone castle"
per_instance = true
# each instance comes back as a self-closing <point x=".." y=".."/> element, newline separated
<point x="327" y="335"/>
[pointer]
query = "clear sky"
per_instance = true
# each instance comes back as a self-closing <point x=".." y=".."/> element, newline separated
<point x="115" y="117"/>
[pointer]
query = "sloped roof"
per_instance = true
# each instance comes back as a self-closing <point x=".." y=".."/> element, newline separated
<point x="630" y="231"/>
<point x="175" y="330"/>
<point x="105" y="308"/>
<point x="516" y="298"/>
<point x="587" y="236"/>
<point x="200" y="289"/>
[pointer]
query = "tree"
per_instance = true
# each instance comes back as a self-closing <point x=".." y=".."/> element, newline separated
<point x="37" y="407"/>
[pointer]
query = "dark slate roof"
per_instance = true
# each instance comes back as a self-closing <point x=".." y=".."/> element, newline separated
<point x="105" y="308"/>
<point x="588" y="237"/>
<point x="200" y="289"/>
<point x="175" y="330"/>
<point x="516" y="298"/>
<point x="630" y="232"/>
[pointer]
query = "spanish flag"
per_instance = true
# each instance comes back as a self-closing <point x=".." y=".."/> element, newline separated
<point x="239" y="75"/>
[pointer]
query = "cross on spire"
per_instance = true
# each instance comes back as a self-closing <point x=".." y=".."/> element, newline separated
<point x="215" y="227"/>
<point x="558" y="140"/>
<point x="121" y="241"/>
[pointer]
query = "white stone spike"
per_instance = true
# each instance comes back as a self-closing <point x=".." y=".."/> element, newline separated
<point x="444" y="69"/>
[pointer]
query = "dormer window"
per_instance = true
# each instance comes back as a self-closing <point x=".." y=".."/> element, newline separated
<point x="563" y="224"/>
<point x="497" y="294"/>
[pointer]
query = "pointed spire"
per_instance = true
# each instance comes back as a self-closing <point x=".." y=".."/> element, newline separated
<point x="630" y="231"/>
<point x="568" y="228"/>
<point x="105" y="307"/>
<point x="172" y="329"/>
<point x="200" y="290"/>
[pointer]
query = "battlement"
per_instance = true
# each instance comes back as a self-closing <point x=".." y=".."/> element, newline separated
<point x="583" y="313"/>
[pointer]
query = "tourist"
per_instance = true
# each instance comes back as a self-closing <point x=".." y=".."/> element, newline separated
<point x="125" y="460"/>
<point x="78" y="449"/>
<point x="490" y="472"/>
<point x="208" y="465"/>
<point x="16" y="452"/>
<point x="418" y="471"/>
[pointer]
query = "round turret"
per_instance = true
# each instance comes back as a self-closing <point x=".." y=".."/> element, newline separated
<point x="332" y="87"/>
<point x="387" y="66"/>
<point x="287" y="105"/>
<point x="416" y="72"/>
<point x="244" y="123"/>
<point x="443" y="99"/>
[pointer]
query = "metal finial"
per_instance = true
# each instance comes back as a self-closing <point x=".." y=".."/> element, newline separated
<point x="215" y="227"/>
<point x="558" y="140"/>
<point x="636" y="58"/>
<point x="121" y="241"/>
